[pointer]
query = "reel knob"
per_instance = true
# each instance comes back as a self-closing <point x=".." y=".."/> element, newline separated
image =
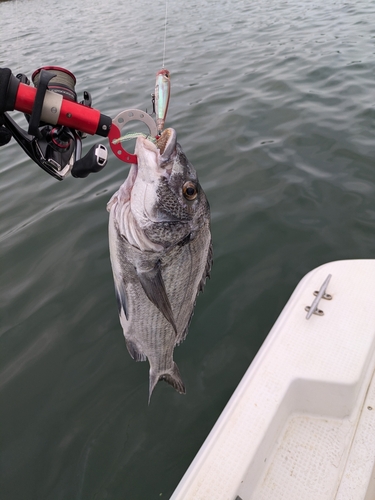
<point x="93" y="161"/>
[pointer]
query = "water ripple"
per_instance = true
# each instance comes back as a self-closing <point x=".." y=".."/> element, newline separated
<point x="273" y="104"/>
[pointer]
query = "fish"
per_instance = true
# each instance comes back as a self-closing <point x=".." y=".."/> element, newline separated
<point x="161" y="253"/>
<point x="162" y="96"/>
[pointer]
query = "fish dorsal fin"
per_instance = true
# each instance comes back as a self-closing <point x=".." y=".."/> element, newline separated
<point x="207" y="271"/>
<point x="153" y="286"/>
<point x="205" y="275"/>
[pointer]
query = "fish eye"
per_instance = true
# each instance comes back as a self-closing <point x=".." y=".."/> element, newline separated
<point x="190" y="191"/>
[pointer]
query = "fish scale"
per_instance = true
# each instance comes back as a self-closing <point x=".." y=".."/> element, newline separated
<point x="159" y="273"/>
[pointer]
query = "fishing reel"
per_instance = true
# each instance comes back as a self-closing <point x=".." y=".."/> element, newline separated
<point x="57" y="123"/>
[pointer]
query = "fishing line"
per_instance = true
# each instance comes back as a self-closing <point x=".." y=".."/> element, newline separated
<point x="165" y="29"/>
<point x="17" y="43"/>
<point x="133" y="135"/>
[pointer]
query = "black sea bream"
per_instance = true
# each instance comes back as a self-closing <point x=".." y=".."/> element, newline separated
<point x="161" y="253"/>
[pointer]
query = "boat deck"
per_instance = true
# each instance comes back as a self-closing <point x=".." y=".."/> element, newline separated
<point x="301" y="423"/>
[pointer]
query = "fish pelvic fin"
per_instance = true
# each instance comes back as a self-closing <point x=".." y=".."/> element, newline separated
<point x="121" y="298"/>
<point x="171" y="376"/>
<point x="153" y="286"/>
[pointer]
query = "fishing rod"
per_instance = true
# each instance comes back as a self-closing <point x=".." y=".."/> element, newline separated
<point x="57" y="123"/>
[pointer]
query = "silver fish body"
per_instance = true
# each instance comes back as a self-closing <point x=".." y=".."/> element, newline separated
<point x="161" y="253"/>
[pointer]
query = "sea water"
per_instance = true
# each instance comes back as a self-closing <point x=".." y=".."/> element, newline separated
<point x="274" y="104"/>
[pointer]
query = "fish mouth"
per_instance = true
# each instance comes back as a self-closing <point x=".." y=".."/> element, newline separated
<point x="166" y="144"/>
<point x="163" y="149"/>
<point x="158" y="152"/>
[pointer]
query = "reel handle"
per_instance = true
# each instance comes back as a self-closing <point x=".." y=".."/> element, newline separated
<point x="93" y="161"/>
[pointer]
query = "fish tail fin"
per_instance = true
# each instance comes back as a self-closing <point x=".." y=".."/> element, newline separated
<point x="171" y="376"/>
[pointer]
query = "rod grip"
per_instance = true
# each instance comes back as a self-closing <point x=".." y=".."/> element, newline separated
<point x="8" y="90"/>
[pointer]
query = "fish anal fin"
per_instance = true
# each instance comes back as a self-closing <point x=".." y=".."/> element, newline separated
<point x="171" y="376"/>
<point x="134" y="351"/>
<point x="153" y="286"/>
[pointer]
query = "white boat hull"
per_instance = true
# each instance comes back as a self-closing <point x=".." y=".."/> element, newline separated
<point x="301" y="423"/>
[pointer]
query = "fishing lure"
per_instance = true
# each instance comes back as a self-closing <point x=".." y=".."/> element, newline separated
<point x="161" y="102"/>
<point x="162" y="95"/>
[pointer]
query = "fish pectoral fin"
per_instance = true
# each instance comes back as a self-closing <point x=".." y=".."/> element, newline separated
<point x="172" y="377"/>
<point x="153" y="286"/>
<point x="134" y="351"/>
<point x="112" y="201"/>
<point x="121" y="298"/>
